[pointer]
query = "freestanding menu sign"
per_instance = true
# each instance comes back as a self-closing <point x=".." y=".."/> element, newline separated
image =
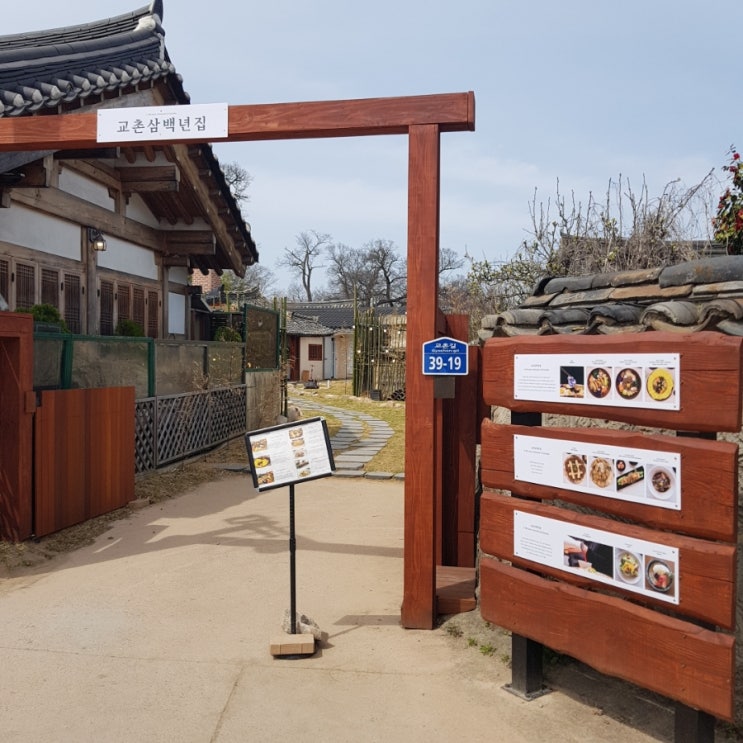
<point x="290" y="453"/>
<point x="284" y="455"/>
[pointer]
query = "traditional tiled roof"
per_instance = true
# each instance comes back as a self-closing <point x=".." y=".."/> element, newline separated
<point x="337" y="314"/>
<point x="306" y="326"/>
<point x="705" y="294"/>
<point x="104" y="63"/>
<point x="48" y="69"/>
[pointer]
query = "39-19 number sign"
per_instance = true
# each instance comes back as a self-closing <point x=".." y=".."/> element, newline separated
<point x="445" y="357"/>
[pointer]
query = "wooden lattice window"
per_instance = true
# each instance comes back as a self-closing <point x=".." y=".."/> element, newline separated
<point x="138" y="308"/>
<point x="153" y="313"/>
<point x="107" y="308"/>
<point x="314" y="351"/>
<point x="50" y="287"/>
<point x="124" y="302"/>
<point x="5" y="280"/>
<point x="72" y="302"/>
<point x="25" y="286"/>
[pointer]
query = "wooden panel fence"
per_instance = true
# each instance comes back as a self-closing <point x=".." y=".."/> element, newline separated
<point x="84" y="455"/>
<point x="653" y="600"/>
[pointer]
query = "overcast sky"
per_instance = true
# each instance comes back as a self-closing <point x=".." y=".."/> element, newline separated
<point x="578" y="90"/>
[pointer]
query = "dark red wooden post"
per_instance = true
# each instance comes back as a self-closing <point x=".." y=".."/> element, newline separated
<point x="422" y="460"/>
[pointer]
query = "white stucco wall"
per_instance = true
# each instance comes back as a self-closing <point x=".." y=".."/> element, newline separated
<point x="314" y="368"/>
<point x="29" y="229"/>
<point x="85" y="188"/>
<point x="176" y="314"/>
<point x="178" y="275"/>
<point x="138" y="211"/>
<point x="131" y="259"/>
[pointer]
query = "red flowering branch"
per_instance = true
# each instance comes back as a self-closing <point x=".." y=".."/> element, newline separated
<point x="728" y="222"/>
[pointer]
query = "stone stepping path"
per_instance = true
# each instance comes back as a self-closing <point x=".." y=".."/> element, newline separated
<point x="360" y="438"/>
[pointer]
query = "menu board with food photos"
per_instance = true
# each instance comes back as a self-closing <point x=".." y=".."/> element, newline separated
<point x="642" y="380"/>
<point x="290" y="453"/>
<point x="635" y="565"/>
<point x="644" y="476"/>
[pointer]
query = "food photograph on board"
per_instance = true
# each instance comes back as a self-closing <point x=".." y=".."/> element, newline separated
<point x="659" y="575"/>
<point x="572" y="381"/>
<point x="660" y="384"/>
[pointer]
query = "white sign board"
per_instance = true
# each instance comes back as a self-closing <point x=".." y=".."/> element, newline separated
<point x="642" y="380"/>
<point x="643" y="476"/>
<point x="207" y="121"/>
<point x="632" y="564"/>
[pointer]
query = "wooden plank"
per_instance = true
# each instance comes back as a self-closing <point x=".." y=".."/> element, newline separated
<point x="84" y="455"/>
<point x="706" y="572"/>
<point x="459" y="449"/>
<point x="709" y="477"/>
<point x="60" y="474"/>
<point x="710" y="388"/>
<point x="144" y="173"/>
<point x="16" y="425"/>
<point x="455" y="589"/>
<point x="190" y="242"/>
<point x="670" y="656"/>
<point x="362" y="117"/>
<point x="111" y="443"/>
<point x="422" y="461"/>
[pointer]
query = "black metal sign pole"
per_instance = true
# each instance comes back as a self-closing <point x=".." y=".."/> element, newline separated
<point x="292" y="563"/>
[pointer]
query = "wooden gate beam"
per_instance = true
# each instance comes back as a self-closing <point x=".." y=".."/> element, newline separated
<point x="451" y="112"/>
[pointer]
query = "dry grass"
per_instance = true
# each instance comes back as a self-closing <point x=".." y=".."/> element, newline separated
<point x="150" y="488"/>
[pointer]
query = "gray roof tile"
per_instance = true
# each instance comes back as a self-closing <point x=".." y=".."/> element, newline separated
<point x="695" y="295"/>
<point x="44" y="69"/>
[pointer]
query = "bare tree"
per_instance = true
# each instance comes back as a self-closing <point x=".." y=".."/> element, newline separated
<point x="351" y="274"/>
<point x="627" y="230"/>
<point x="389" y="266"/>
<point x="255" y="286"/>
<point x="302" y="260"/>
<point x="238" y="179"/>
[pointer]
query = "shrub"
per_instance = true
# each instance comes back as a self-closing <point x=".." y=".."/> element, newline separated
<point x="227" y="334"/>
<point x="129" y="328"/>
<point x="47" y="314"/>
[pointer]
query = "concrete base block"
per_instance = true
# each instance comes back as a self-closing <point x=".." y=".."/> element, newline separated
<point x="303" y="644"/>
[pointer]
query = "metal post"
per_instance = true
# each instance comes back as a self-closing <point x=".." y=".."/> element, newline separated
<point x="527" y="674"/>
<point x="693" y="726"/>
<point x="292" y="564"/>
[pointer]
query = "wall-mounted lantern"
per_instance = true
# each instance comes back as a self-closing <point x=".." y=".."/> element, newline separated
<point x="96" y="239"/>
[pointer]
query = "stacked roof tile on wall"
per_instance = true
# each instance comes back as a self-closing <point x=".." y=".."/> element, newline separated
<point x="706" y="294"/>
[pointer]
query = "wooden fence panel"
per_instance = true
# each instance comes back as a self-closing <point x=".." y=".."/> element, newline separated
<point x="708" y="567"/>
<point x="83" y="457"/>
<point x="709" y="488"/>
<point x="710" y="384"/>
<point x="633" y="643"/>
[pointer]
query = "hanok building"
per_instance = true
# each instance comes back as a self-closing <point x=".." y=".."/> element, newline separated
<point x="109" y="234"/>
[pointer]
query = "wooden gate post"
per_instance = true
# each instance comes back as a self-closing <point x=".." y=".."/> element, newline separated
<point x="423" y="416"/>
